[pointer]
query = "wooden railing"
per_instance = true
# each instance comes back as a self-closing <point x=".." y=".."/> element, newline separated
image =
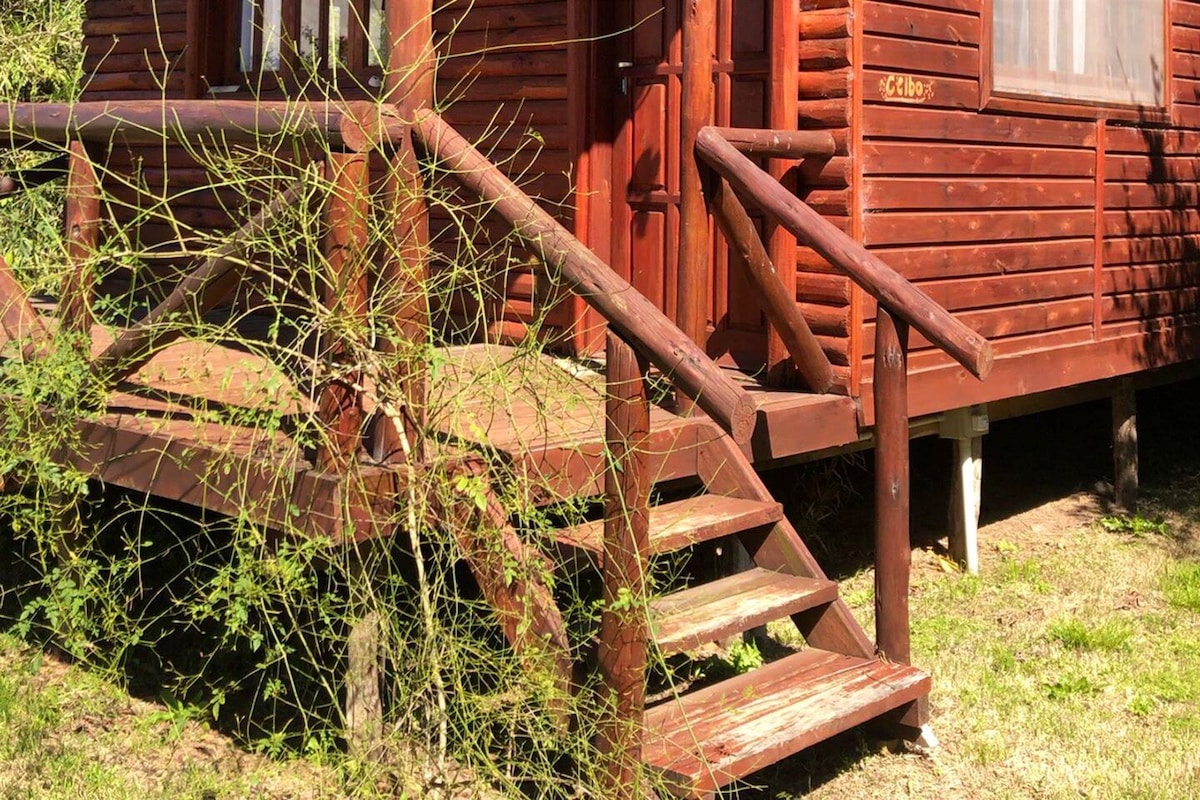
<point x="900" y="305"/>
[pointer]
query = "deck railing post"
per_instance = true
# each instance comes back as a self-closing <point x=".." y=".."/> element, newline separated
<point x="624" y="631"/>
<point x="893" y="555"/>
<point x="409" y="84"/>
<point x="344" y="291"/>
<point x="699" y="27"/>
<point x="83" y="236"/>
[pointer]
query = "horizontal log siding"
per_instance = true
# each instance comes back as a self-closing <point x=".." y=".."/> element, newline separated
<point x="997" y="216"/>
<point x="133" y="49"/>
<point x="503" y="83"/>
<point x="502" y="79"/>
<point x="1151" y="266"/>
<point x="825" y="101"/>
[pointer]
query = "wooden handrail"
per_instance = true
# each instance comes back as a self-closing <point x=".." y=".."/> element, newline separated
<point x="637" y="319"/>
<point x="350" y="125"/>
<point x="766" y="143"/>
<point x="889" y="287"/>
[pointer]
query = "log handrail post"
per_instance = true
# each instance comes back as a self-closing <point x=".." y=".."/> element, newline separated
<point x="624" y="630"/>
<point x="403" y="304"/>
<point x="83" y="237"/>
<point x="893" y="552"/>
<point x="698" y="31"/>
<point x="344" y="295"/>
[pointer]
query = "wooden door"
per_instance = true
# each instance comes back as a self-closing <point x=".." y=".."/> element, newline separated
<point x="646" y="156"/>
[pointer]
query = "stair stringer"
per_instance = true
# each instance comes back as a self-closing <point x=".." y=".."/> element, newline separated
<point x="724" y="469"/>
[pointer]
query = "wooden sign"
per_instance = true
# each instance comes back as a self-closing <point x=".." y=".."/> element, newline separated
<point x="896" y="88"/>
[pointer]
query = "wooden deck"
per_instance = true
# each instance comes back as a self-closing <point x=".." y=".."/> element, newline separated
<point x="214" y="425"/>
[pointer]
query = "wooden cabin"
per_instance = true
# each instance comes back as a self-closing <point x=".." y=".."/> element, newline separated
<point x="759" y="197"/>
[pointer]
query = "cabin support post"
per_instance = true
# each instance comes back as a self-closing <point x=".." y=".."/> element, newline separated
<point x="83" y="235"/>
<point x="1125" y="447"/>
<point x="699" y="27"/>
<point x="409" y="84"/>
<point x="966" y="427"/>
<point x="340" y="407"/>
<point x="364" y="655"/>
<point x="623" y="628"/>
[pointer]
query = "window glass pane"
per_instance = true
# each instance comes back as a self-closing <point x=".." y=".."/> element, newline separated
<point x="377" y="39"/>
<point x="340" y="15"/>
<point x="1110" y="52"/>
<point x="262" y="28"/>
<point x="310" y="30"/>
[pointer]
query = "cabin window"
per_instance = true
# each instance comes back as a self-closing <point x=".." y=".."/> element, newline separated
<point x="322" y="34"/>
<point x="1109" y="52"/>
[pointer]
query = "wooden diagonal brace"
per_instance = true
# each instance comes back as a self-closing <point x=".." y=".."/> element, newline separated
<point x="199" y="293"/>
<point x="781" y="310"/>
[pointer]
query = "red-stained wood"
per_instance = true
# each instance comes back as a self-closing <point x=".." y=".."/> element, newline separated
<point x="83" y="237"/>
<point x="512" y="577"/>
<point x="624" y="629"/>
<point x="197" y="294"/>
<point x="20" y="321"/>
<point x="633" y="316"/>
<point x="893" y="555"/>
<point x="698" y="27"/>
<point x="157" y="122"/>
<point x="782" y="144"/>
<point x="401" y="293"/>
<point x="344" y="295"/>
<point x="785" y="91"/>
<point x="778" y="303"/>
<point x="710" y="738"/>
<point x="966" y="346"/>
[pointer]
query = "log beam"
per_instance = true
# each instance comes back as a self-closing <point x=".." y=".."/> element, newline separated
<point x="893" y="552"/>
<point x="401" y="292"/>
<point x="783" y="144"/>
<point x="696" y="102"/>
<point x="633" y="316"/>
<point x="83" y="238"/>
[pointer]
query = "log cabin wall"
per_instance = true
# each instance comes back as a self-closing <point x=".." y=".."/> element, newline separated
<point x="826" y="102"/>
<point x="1067" y="239"/>
<point x="502" y="81"/>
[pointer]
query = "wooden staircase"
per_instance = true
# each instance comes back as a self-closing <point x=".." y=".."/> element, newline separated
<point x="697" y="742"/>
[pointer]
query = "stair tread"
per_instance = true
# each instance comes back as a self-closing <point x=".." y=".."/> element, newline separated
<point x="709" y="738"/>
<point x="733" y="604"/>
<point x="676" y="525"/>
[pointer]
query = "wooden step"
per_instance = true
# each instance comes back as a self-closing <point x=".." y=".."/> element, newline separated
<point x="712" y="611"/>
<point x="709" y="738"/>
<point x="674" y="526"/>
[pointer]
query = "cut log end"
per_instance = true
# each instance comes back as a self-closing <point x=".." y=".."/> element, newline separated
<point x="984" y="361"/>
<point x="743" y="420"/>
